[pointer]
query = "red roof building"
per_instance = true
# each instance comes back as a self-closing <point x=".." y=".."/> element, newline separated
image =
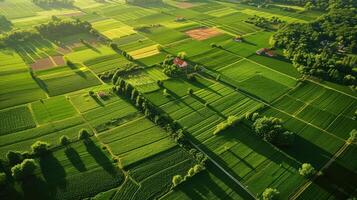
<point x="180" y="63"/>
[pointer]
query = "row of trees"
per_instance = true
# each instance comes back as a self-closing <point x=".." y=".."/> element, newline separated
<point x="266" y="23"/>
<point x="23" y="164"/>
<point x="53" y="30"/>
<point x="178" y="179"/>
<point x="57" y="28"/>
<point x="324" y="48"/>
<point x="62" y="3"/>
<point x="308" y="4"/>
<point x="230" y="122"/>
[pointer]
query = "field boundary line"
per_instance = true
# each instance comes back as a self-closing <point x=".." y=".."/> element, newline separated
<point x="222" y="68"/>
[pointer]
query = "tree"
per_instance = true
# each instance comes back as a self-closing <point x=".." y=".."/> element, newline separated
<point x="190" y="91"/>
<point x="14" y="157"/>
<point x="182" y="55"/>
<point x="83" y="134"/>
<point x="308" y="6"/>
<point x="307" y="170"/>
<point x="176" y="180"/>
<point x="40" y="148"/>
<point x="64" y="140"/>
<point x="25" y="169"/>
<point x="270" y="193"/>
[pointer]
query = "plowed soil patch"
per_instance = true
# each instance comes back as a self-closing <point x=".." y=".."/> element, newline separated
<point x="203" y="33"/>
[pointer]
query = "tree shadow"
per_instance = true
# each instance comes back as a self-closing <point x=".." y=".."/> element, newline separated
<point x="77" y="70"/>
<point x="241" y="159"/>
<point x="75" y="159"/>
<point x="88" y="45"/>
<point x="100" y="157"/>
<point x="53" y="172"/>
<point x="98" y="101"/>
<point x="34" y="187"/>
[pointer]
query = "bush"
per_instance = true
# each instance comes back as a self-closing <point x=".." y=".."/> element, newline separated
<point x="83" y="134"/>
<point x="91" y="93"/>
<point x="25" y="169"/>
<point x="307" y="170"/>
<point x="40" y="148"/>
<point x="176" y="180"/>
<point x="190" y="91"/>
<point x="191" y="77"/>
<point x="14" y="157"/>
<point x="270" y="193"/>
<point x="165" y="93"/>
<point x="191" y="172"/>
<point x="231" y="121"/>
<point x="64" y="140"/>
<point x="198" y="168"/>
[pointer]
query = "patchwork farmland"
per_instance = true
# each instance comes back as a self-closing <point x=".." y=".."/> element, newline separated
<point x="176" y="99"/>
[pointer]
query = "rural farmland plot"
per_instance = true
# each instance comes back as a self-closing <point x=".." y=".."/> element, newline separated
<point x="177" y="100"/>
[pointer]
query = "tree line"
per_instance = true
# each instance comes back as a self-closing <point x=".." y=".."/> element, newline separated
<point x="62" y="3"/>
<point x="54" y="29"/>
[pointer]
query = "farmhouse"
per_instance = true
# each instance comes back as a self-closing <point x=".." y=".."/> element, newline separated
<point x="265" y="51"/>
<point x="238" y="39"/>
<point x="180" y="63"/>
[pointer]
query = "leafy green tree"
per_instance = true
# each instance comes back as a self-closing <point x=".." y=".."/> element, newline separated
<point x="176" y="180"/>
<point x="14" y="157"/>
<point x="64" y="140"/>
<point x="83" y="134"/>
<point x="270" y="194"/>
<point x="23" y="170"/>
<point x="307" y="170"/>
<point x="40" y="148"/>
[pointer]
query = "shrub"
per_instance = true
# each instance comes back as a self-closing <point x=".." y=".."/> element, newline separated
<point x="191" y="77"/>
<point x="198" y="168"/>
<point x="14" y="157"/>
<point x="40" y="148"/>
<point x="176" y="180"/>
<point x="191" y="172"/>
<point x="270" y="193"/>
<point x="165" y="93"/>
<point x="307" y="170"/>
<point x="25" y="169"/>
<point x="231" y="121"/>
<point x="190" y="91"/>
<point x="83" y="134"/>
<point x="91" y="93"/>
<point x="64" y="140"/>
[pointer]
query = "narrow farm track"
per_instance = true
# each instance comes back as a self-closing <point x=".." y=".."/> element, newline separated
<point x="330" y="88"/>
<point x="307" y="184"/>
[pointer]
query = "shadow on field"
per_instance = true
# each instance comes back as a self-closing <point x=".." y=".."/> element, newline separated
<point x="100" y="157"/>
<point x="196" y="190"/>
<point x="53" y="172"/>
<point x="35" y="188"/>
<point x="338" y="181"/>
<point x="75" y="159"/>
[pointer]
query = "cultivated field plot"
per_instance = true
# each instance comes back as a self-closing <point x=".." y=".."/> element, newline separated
<point x="258" y="80"/>
<point x="321" y="107"/>
<point x="66" y="79"/>
<point x="16" y="119"/>
<point x="52" y="109"/>
<point x="106" y="63"/>
<point x="113" y="29"/>
<point x="22" y="140"/>
<point x="203" y="33"/>
<point x="16" y="84"/>
<point x="18" y="8"/>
